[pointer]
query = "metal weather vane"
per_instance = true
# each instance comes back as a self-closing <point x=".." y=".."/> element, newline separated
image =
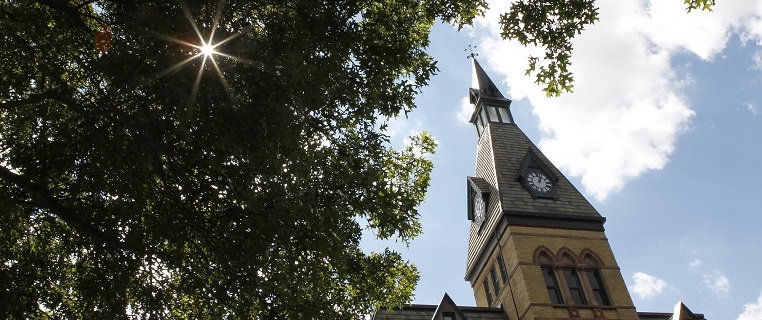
<point x="471" y="53"/>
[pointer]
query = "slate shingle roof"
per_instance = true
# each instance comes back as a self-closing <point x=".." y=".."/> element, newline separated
<point x="426" y="312"/>
<point x="436" y="312"/>
<point x="501" y="152"/>
<point x="509" y="147"/>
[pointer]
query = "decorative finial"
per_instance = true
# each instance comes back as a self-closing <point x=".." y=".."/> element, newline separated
<point x="471" y="53"/>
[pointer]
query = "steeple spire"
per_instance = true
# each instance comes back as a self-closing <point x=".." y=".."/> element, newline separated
<point x="481" y="82"/>
<point x="489" y="104"/>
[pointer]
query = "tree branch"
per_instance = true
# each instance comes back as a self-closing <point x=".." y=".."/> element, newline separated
<point x="72" y="12"/>
<point x="43" y="198"/>
<point x="85" y="3"/>
<point x="33" y="98"/>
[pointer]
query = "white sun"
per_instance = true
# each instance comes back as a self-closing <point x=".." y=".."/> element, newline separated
<point x="208" y="50"/>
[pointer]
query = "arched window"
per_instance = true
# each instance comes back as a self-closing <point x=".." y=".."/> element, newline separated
<point x="569" y="269"/>
<point x="503" y="270"/>
<point x="581" y="282"/>
<point x="593" y="273"/>
<point x="495" y="282"/>
<point x="546" y="267"/>
<point x="487" y="291"/>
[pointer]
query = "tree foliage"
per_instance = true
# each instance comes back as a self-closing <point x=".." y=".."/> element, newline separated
<point x="551" y="25"/>
<point x="139" y="179"/>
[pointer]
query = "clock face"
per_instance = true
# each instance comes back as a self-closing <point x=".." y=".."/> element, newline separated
<point x="539" y="182"/>
<point x="479" y="209"/>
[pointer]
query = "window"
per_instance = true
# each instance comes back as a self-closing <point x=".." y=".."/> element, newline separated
<point x="583" y="279"/>
<point x="492" y="114"/>
<point x="503" y="270"/>
<point x="504" y="114"/>
<point x="552" y="285"/>
<point x="495" y="283"/>
<point x="449" y="316"/>
<point x="497" y="113"/>
<point x="483" y="117"/>
<point x="596" y="285"/>
<point x="488" y="292"/>
<point x="575" y="287"/>
<point x="569" y="271"/>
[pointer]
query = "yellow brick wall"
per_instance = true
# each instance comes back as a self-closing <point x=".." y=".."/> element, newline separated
<point x="518" y="245"/>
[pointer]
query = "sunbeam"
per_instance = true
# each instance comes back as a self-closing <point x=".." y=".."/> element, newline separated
<point x="206" y="50"/>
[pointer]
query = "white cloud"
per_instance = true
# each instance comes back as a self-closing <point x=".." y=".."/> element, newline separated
<point x="757" y="58"/>
<point x="695" y="264"/>
<point x="752" y="108"/>
<point x="717" y="282"/>
<point x="465" y="111"/>
<point x="398" y="125"/>
<point x="752" y="311"/>
<point x="400" y="128"/>
<point x="628" y="107"/>
<point x="647" y="286"/>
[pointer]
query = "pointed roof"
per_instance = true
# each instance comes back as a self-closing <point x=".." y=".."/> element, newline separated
<point x="681" y="312"/>
<point x="482" y="83"/>
<point x="447" y="305"/>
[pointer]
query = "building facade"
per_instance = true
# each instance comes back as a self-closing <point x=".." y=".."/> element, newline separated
<point x="537" y="248"/>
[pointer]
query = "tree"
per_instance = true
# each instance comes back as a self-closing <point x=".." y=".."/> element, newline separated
<point x="145" y="175"/>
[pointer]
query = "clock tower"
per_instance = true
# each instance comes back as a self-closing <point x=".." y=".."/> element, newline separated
<point x="537" y="248"/>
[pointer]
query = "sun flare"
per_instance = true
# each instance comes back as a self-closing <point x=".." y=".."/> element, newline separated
<point x="208" y="50"/>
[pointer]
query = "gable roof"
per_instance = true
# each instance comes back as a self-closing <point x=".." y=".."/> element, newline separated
<point x="447" y="305"/>
<point x="481" y="185"/>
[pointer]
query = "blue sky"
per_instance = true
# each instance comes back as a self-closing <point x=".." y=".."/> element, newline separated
<point x="662" y="135"/>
